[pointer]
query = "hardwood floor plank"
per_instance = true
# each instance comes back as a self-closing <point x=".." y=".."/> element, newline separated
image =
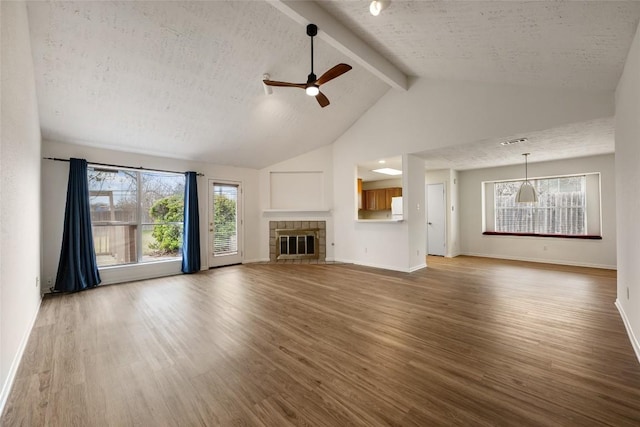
<point x="467" y="341"/>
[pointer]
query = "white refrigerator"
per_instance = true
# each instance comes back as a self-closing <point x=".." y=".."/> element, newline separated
<point x="396" y="208"/>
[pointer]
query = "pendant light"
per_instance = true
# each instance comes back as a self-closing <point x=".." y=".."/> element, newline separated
<point x="527" y="193"/>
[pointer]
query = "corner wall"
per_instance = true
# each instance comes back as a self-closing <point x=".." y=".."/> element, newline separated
<point x="415" y="211"/>
<point x="19" y="192"/>
<point x="588" y="253"/>
<point x="627" y="160"/>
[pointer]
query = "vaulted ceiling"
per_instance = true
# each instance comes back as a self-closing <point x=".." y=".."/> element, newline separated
<point x="183" y="79"/>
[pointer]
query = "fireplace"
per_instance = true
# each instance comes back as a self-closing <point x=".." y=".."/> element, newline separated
<point x="297" y="244"/>
<point x="297" y="241"/>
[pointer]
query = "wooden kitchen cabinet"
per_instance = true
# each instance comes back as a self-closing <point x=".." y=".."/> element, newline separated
<point x="379" y="199"/>
<point x="372" y="200"/>
<point x="391" y="192"/>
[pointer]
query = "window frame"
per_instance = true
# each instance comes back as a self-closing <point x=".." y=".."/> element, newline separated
<point x="593" y="208"/>
<point x="139" y="223"/>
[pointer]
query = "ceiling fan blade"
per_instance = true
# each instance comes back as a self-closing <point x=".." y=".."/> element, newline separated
<point x="284" y="84"/>
<point x="322" y="100"/>
<point x="334" y="72"/>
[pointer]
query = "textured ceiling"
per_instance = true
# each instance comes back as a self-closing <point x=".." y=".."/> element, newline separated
<point x="590" y="138"/>
<point x="183" y="79"/>
<point x="577" y="44"/>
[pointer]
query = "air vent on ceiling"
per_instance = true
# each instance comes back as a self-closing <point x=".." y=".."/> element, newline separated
<point x="514" y="141"/>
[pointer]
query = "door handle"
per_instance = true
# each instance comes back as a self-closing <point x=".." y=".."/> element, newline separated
<point x="429" y="223"/>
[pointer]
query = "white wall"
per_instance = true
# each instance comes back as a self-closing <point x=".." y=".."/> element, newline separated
<point x="453" y="227"/>
<point x="414" y="210"/>
<point x="319" y="160"/>
<point x="591" y="253"/>
<point x="431" y="115"/>
<point x="627" y="179"/>
<point x="54" y="189"/>
<point x="19" y="192"/>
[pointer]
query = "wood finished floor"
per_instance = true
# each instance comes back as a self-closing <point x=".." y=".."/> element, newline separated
<point x="468" y="341"/>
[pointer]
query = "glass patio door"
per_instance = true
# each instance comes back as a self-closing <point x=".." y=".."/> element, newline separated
<point x="225" y="223"/>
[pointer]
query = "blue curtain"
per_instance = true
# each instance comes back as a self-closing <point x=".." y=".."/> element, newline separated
<point x="77" y="268"/>
<point x="191" y="234"/>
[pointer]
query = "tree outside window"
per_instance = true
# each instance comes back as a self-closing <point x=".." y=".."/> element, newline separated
<point x="137" y="216"/>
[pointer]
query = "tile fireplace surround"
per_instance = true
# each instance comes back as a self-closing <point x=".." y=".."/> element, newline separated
<point x="320" y="226"/>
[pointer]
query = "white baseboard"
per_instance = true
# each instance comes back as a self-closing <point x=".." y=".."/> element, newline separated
<point x="384" y="267"/>
<point x="13" y="370"/>
<point x="634" y="341"/>
<point x="253" y="261"/>
<point x="418" y="267"/>
<point x="542" y="260"/>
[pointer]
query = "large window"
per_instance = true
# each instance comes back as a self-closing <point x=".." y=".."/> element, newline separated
<point x="136" y="216"/>
<point x="568" y="206"/>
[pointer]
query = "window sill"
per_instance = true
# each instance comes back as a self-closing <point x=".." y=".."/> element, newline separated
<point x="138" y="264"/>
<point x="557" y="236"/>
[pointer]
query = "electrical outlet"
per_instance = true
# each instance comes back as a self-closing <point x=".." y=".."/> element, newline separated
<point x="49" y="281"/>
<point x="365" y="250"/>
<point x="418" y="252"/>
<point x="37" y="281"/>
<point x="544" y="248"/>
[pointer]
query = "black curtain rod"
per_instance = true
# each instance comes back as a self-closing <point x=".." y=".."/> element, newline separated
<point x="120" y="166"/>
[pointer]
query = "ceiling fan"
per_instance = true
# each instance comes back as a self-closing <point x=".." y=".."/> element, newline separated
<point x="312" y="86"/>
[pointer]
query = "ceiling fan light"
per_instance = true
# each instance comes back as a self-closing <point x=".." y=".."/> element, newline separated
<point x="312" y="90"/>
<point x="527" y="193"/>
<point x="377" y="6"/>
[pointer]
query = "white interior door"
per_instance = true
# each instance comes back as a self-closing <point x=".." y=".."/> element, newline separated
<point x="225" y="223"/>
<point x="436" y="231"/>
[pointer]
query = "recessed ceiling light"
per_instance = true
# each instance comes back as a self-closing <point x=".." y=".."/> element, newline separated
<point x="514" y="141"/>
<point x="382" y="162"/>
<point x="388" y="171"/>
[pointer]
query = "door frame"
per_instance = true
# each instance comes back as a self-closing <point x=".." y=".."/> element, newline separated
<point x="237" y="259"/>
